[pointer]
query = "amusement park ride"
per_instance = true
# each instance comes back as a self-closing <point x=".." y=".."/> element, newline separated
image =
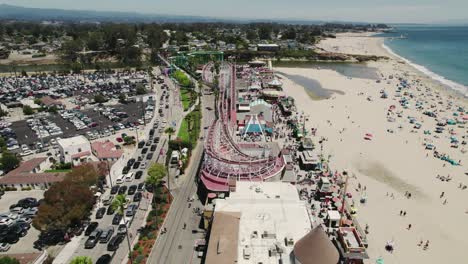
<point x="224" y="160"/>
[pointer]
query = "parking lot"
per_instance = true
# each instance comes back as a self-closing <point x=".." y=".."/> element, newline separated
<point x="25" y="135"/>
<point x="25" y="244"/>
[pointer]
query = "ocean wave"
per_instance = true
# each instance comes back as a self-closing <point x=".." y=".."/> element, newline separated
<point x="451" y="84"/>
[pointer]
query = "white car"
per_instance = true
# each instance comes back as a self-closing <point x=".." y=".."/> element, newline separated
<point x="6" y="221"/>
<point x="143" y="165"/>
<point x="17" y="210"/>
<point x="120" y="180"/>
<point x="129" y="177"/>
<point x="4" y="247"/>
<point x="26" y="153"/>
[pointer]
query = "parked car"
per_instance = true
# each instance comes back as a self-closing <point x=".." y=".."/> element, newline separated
<point x="106" y="235"/>
<point x="131" y="210"/>
<point x="91" y="227"/>
<point x="141" y="185"/>
<point x="17" y="210"/>
<point x="93" y="238"/>
<point x="100" y="212"/>
<point x="132" y="189"/>
<point x="108" y="200"/>
<point x="4" y="247"/>
<point x="129" y="177"/>
<point x="153" y="148"/>
<point x="30" y="212"/>
<point x="110" y="210"/>
<point x="137" y="197"/>
<point x="149" y="156"/>
<point x="51" y="237"/>
<point x="136" y="165"/>
<point x="115" y="242"/>
<point x="123" y="189"/>
<point x="114" y="189"/>
<point x="138" y="175"/>
<point x="28" y="202"/>
<point x="116" y="219"/>
<point x="130" y="162"/>
<point x="104" y="259"/>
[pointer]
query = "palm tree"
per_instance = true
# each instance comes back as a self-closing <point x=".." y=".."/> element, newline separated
<point x="156" y="173"/>
<point x="118" y="204"/>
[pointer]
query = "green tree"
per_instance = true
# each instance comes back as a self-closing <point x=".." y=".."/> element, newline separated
<point x="70" y="49"/>
<point x="251" y="34"/>
<point x="119" y="203"/>
<point x="129" y="140"/>
<point x="8" y="260"/>
<point x="140" y="90"/>
<point x="3" y="145"/>
<point x="156" y="173"/>
<point x="99" y="99"/>
<point x="3" y="113"/>
<point x="68" y="202"/>
<point x="27" y="110"/>
<point x="81" y="260"/>
<point x="9" y="161"/>
<point x="122" y="98"/>
<point x="95" y="41"/>
<point x="265" y="32"/>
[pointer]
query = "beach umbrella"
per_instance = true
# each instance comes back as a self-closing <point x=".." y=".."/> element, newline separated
<point x="379" y="261"/>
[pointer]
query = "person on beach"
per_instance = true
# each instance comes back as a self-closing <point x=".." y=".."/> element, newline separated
<point x="426" y="245"/>
<point x="442" y="194"/>
<point x="409" y="227"/>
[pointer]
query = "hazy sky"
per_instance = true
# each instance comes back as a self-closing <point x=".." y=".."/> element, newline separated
<point x="346" y="10"/>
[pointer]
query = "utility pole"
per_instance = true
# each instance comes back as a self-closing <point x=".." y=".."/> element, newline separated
<point x="109" y="171"/>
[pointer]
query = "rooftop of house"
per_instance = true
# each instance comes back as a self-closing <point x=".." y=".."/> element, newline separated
<point x="105" y="150"/>
<point x="25" y="174"/>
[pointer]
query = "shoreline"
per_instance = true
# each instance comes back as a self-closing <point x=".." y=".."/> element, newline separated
<point x="457" y="87"/>
<point x="395" y="161"/>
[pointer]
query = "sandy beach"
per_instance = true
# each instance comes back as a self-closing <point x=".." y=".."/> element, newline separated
<point x="395" y="161"/>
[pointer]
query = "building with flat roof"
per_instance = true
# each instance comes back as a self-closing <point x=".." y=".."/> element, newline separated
<point x="260" y="222"/>
<point x="74" y="150"/>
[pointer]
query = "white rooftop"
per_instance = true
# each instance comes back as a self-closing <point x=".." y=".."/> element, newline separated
<point x="270" y="213"/>
<point x="73" y="141"/>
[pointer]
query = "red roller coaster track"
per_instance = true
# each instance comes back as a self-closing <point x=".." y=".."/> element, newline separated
<point x="224" y="159"/>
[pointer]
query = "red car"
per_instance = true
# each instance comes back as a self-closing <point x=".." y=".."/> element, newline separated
<point x="119" y="140"/>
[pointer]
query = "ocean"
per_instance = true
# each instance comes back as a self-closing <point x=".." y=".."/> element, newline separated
<point x="440" y="52"/>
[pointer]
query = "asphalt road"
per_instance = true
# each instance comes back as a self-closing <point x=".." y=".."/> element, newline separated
<point x="177" y="244"/>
